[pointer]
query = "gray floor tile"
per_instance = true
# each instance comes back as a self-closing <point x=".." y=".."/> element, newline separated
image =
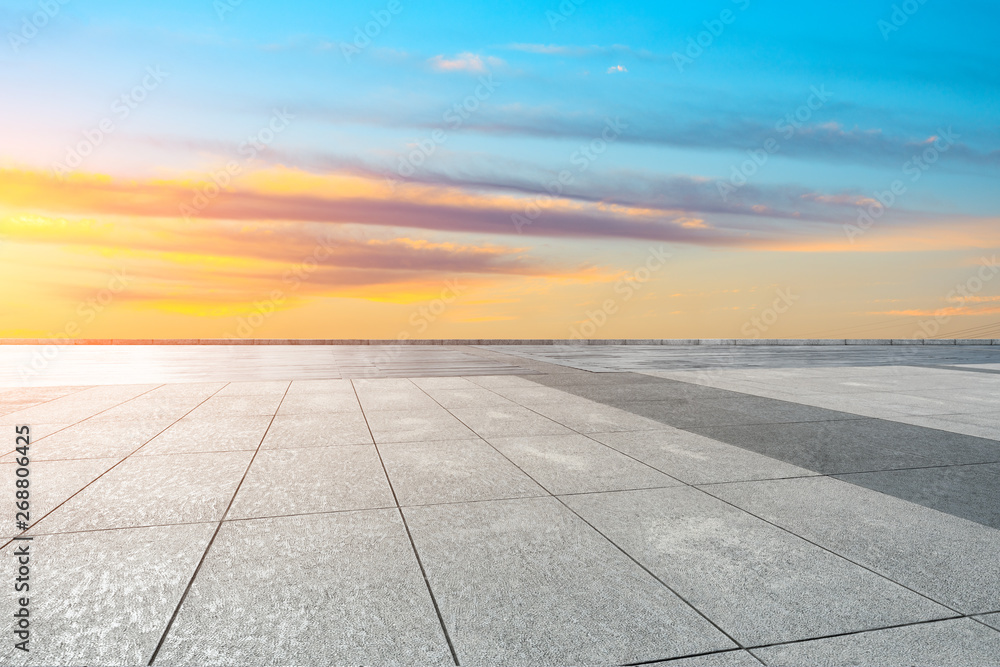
<point x="315" y="479"/>
<point x="392" y="394"/>
<point x="453" y="471"/>
<point x="590" y="417"/>
<point x="171" y="401"/>
<point x="965" y="425"/>
<point x="992" y="620"/>
<point x="307" y="387"/>
<point x="577" y="464"/>
<point x="105" y="596"/>
<point x="944" y="557"/>
<point x="361" y="600"/>
<point x="429" y="384"/>
<point x="684" y="412"/>
<point x="757" y="582"/>
<point x="958" y="643"/>
<point x="525" y="582"/>
<point x="434" y="423"/>
<point x="224" y="434"/>
<point x="825" y="447"/>
<point x="593" y="379"/>
<point x="303" y="404"/>
<point x="317" y="430"/>
<point x="739" y="409"/>
<point x="649" y="389"/>
<point x="50" y="483"/>
<point x="496" y="381"/>
<point x="695" y="459"/>
<point x="237" y="406"/>
<point x="501" y="421"/>
<point x="472" y="396"/>
<point x="78" y="406"/>
<point x="269" y="388"/>
<point x="533" y="396"/>
<point x="969" y="491"/>
<point x="153" y="490"/>
<point x="95" y="439"/>
<point x="171" y="408"/>
<point x="942" y="447"/>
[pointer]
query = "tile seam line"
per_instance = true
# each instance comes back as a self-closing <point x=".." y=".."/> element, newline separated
<point x="158" y="386"/>
<point x="409" y="535"/>
<point x="215" y="533"/>
<point x="690" y="429"/>
<point x="36" y="405"/>
<point x="861" y="632"/>
<point x="830" y="551"/>
<point x="611" y="542"/>
<point x="85" y="486"/>
<point x="840" y="556"/>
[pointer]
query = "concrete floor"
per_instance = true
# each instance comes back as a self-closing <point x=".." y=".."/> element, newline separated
<point x="509" y="506"/>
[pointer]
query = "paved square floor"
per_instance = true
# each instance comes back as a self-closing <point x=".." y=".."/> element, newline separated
<point x="495" y="505"/>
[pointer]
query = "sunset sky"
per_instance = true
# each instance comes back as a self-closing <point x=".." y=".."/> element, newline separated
<point x="525" y="169"/>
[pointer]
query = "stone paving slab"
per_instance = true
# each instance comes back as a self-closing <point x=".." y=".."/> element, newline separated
<point x="950" y="643"/>
<point x="944" y="557"/>
<point x="578" y="464"/>
<point x="512" y="576"/>
<point x="431" y="423"/>
<point x="450" y="471"/>
<point x="224" y="434"/>
<point x="107" y="595"/>
<point x="361" y="600"/>
<point x="284" y="482"/>
<point x="153" y="490"/>
<point x="695" y="459"/>
<point x="760" y="584"/>
<point x="96" y="439"/>
<point x="52" y="483"/>
<point x="750" y="526"/>
<point x="968" y="491"/>
<point x="317" y="430"/>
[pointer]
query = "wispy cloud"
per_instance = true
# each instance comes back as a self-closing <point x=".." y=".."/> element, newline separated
<point x="464" y="62"/>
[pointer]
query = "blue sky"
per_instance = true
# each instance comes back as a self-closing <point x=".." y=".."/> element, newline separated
<point x="874" y="83"/>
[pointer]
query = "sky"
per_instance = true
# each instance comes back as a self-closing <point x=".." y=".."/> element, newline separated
<point x="397" y="169"/>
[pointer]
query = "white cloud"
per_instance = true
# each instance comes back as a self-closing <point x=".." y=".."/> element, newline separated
<point x="464" y="62"/>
